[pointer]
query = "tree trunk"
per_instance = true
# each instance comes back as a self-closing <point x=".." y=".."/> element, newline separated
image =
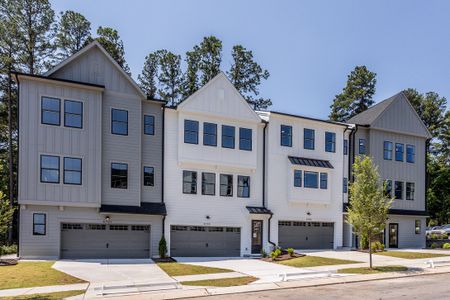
<point x="370" y="250"/>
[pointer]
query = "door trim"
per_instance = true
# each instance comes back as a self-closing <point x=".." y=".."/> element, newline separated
<point x="261" y="236"/>
<point x="396" y="235"/>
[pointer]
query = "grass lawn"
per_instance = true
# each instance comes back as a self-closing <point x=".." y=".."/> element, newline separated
<point x="375" y="270"/>
<point x="314" y="261"/>
<point x="51" y="296"/>
<point x="410" y="255"/>
<point x="223" y="282"/>
<point x="177" y="269"/>
<point x="29" y="274"/>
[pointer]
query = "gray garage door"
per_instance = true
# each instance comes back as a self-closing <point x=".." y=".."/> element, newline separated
<point x="305" y="235"/>
<point x="205" y="241"/>
<point x="104" y="241"/>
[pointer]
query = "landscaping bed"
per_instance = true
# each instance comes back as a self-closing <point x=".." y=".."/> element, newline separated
<point x="306" y="261"/>
<point x="284" y="256"/>
<point x="177" y="269"/>
<point x="8" y="262"/>
<point x="374" y="270"/>
<point x="410" y="255"/>
<point x="222" y="282"/>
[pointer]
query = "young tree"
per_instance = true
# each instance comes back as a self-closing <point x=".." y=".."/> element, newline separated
<point x="170" y="76"/>
<point x="110" y="40"/>
<point x="148" y="77"/>
<point x="356" y="96"/>
<point x="246" y="75"/>
<point x="369" y="205"/>
<point x="74" y="30"/>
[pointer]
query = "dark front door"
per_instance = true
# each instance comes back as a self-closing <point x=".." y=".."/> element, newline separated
<point x="257" y="232"/>
<point x="393" y="235"/>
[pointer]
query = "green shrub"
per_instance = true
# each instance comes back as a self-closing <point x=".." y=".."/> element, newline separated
<point x="5" y="250"/>
<point x="162" y="249"/>
<point x="377" y="246"/>
<point x="446" y="246"/>
<point x="434" y="246"/>
<point x="434" y="236"/>
<point x="276" y="253"/>
<point x="363" y="242"/>
<point x="290" y="251"/>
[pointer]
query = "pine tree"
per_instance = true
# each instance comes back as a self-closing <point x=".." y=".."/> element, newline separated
<point x="148" y="77"/>
<point x="74" y="30"/>
<point x="210" y="52"/>
<point x="170" y="76"/>
<point x="191" y="76"/>
<point x="110" y="40"/>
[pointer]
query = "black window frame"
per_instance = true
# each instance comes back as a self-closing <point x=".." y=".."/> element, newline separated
<point x="72" y="170"/>
<point x="408" y="147"/>
<point x="307" y="139"/>
<point x="388" y="151"/>
<point x="205" y="184"/>
<point x="113" y="122"/>
<point x="402" y="152"/>
<point x="149" y="125"/>
<point x="126" y="176"/>
<point x="332" y="142"/>
<point x="243" y="139"/>
<point x="192" y="182"/>
<point x="362" y="146"/>
<point x="345" y="147"/>
<point x="191" y="132"/>
<point x="228" y="176"/>
<point x="305" y="173"/>
<point x="44" y="224"/>
<point x="74" y="114"/>
<point x="50" y="111"/>
<point x="345" y="185"/>
<point x="285" y="132"/>
<point x="297" y="178"/>
<point x="412" y="190"/>
<point x="225" y="137"/>
<point x="401" y="185"/>
<point x="323" y="181"/>
<point x="51" y="169"/>
<point x="388" y="188"/>
<point x="150" y="176"/>
<point x="241" y="188"/>
<point x="209" y="134"/>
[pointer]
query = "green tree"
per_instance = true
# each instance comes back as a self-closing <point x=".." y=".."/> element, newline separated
<point x="110" y="40"/>
<point x="74" y="30"/>
<point x="210" y="53"/>
<point x="369" y="206"/>
<point x="438" y="193"/>
<point x="149" y="76"/>
<point x="246" y="75"/>
<point x="170" y="76"/>
<point x="191" y="76"/>
<point x="356" y="96"/>
<point x="6" y="215"/>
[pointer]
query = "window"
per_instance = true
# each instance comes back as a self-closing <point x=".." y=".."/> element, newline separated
<point x="72" y="170"/>
<point x="330" y="141"/>
<point x="119" y="121"/>
<point x="323" y="181"/>
<point x="387" y="150"/>
<point x="208" y="184"/>
<point x="345" y="188"/>
<point x="149" y="125"/>
<point x="49" y="168"/>
<point x="286" y="135"/>
<point x="39" y="224"/>
<point x="388" y="188"/>
<point x="297" y="178"/>
<point x="119" y="176"/>
<point x="50" y="111"/>
<point x="245" y="139"/>
<point x="308" y="138"/>
<point x="399" y="152"/>
<point x="189" y="182"/>
<point x="399" y="190"/>
<point x="226" y="185"/>
<point x="243" y="186"/>
<point x="362" y="146"/>
<point x="73" y="114"/>
<point x="417" y="226"/>
<point x="410" y="153"/>
<point x="190" y="132"/>
<point x="228" y="136"/>
<point x="209" y="134"/>
<point x="149" y="176"/>
<point x="345" y="147"/>
<point x="310" y="179"/>
<point x="410" y="187"/>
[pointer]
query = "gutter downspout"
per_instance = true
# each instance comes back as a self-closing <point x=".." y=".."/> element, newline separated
<point x="352" y="157"/>
<point x="17" y="179"/>
<point x="264" y="185"/>
<point x="162" y="166"/>
<point x="427" y="182"/>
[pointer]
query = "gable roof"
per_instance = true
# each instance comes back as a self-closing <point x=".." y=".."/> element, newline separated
<point x="91" y="45"/>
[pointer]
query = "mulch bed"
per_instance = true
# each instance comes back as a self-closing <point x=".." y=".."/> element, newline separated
<point x="283" y="256"/>
<point x="8" y="262"/>
<point x="163" y="260"/>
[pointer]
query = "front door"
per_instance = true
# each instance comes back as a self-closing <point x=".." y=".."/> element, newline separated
<point x="257" y="231"/>
<point x="393" y="235"/>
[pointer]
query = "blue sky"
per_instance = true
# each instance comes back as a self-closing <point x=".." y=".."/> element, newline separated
<point x="309" y="47"/>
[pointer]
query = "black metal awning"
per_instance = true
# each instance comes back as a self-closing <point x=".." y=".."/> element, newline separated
<point x="311" y="162"/>
<point x="258" y="210"/>
<point x="145" y="208"/>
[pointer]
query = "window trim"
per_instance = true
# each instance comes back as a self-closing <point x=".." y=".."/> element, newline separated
<point x="345" y="185"/>
<point x="249" y="186"/>
<point x="332" y="142"/>
<point x="111" y="175"/>
<point x="402" y="152"/>
<point x="220" y="185"/>
<point x="143" y="176"/>
<point x="412" y="191"/>
<point x="59" y="169"/>
<point x="81" y="115"/>
<point x="395" y="189"/>
<point x="81" y="170"/>
<point x="112" y="121"/>
<point x="323" y="180"/>
<point x="209" y="134"/>
<point x="234" y="136"/>
<point x="313" y="139"/>
<point x="190" y="182"/>
<point x="45" y="224"/>
<point x="196" y="132"/>
<point x="363" y="144"/>
<point x="288" y="135"/>
<point x="214" y="184"/>
<point x="413" y="147"/>
<point x="300" y="179"/>
<point x="304" y="180"/>
<point x="387" y="150"/>
<point x="245" y="139"/>
<point x="153" y="124"/>
<point x="391" y="187"/>
<point x="42" y="110"/>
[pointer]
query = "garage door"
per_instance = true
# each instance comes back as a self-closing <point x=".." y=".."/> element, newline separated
<point x="305" y="235"/>
<point x="195" y="241"/>
<point x="104" y="241"/>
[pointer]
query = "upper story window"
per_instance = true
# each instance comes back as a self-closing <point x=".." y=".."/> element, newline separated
<point x="208" y="184"/>
<point x="297" y="178"/>
<point x="73" y="113"/>
<point x="119" y="175"/>
<point x="50" y="111"/>
<point x="189" y="182"/>
<point x="311" y="179"/>
<point x="410" y="189"/>
<point x="119" y="121"/>
<point x="387" y="150"/>
<point x="323" y="181"/>
<point x="149" y="176"/>
<point x="228" y="134"/>
<point x="345" y="187"/>
<point x="330" y="141"/>
<point x="226" y="185"/>
<point x="39" y="224"/>
<point x="190" y="132"/>
<point x="345" y="147"/>
<point x="388" y="188"/>
<point x="399" y="190"/>
<point x="399" y="149"/>
<point x="209" y="134"/>
<point x="243" y="186"/>
<point x="410" y="153"/>
<point x="149" y="125"/>
<point x="49" y="169"/>
<point x="362" y="146"/>
<point x="286" y="135"/>
<point x="245" y="139"/>
<point x="308" y="138"/>
<point x="72" y="170"/>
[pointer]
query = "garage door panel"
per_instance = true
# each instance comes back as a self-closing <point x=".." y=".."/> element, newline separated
<point x="305" y="235"/>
